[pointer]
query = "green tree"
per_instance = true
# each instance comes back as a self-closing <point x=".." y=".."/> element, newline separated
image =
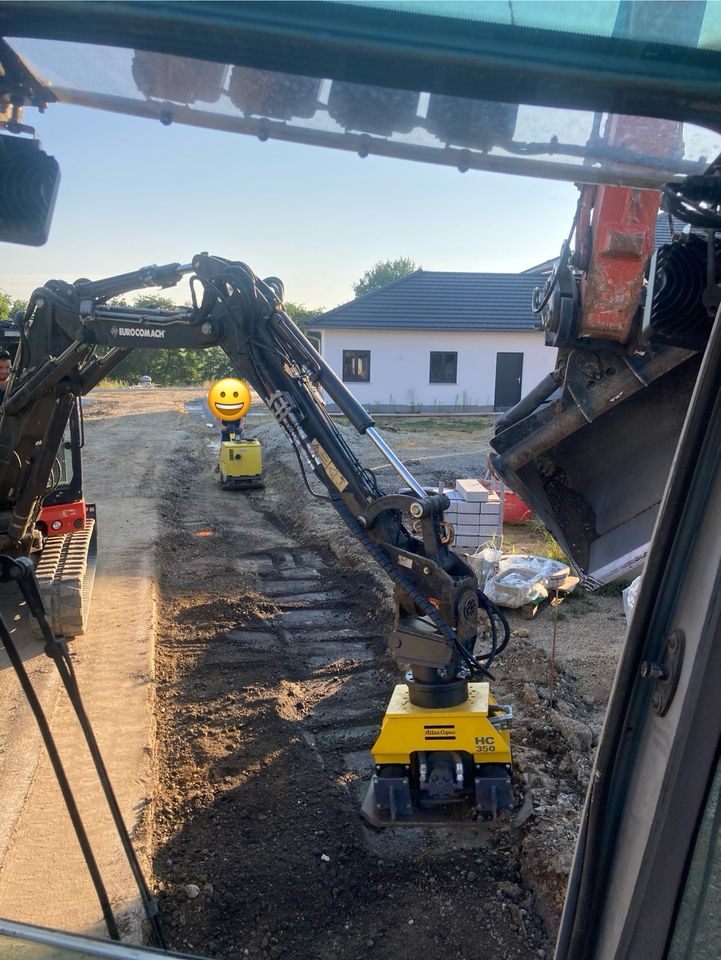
<point x="185" y="367"/>
<point x="385" y="271"/>
<point x="9" y="307"/>
<point x="180" y="367"/>
<point x="154" y="301"/>
<point x="301" y="315"/>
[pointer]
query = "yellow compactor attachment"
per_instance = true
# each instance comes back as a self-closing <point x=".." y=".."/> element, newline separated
<point x="429" y="759"/>
<point x="240" y="464"/>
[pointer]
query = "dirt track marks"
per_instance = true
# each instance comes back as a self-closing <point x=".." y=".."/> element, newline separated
<point x="269" y="703"/>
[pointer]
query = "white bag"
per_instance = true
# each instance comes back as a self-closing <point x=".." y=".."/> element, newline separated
<point x="520" y="580"/>
<point x="630" y="595"/>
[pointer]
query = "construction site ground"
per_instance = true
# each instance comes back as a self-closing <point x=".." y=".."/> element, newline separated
<point x="271" y="678"/>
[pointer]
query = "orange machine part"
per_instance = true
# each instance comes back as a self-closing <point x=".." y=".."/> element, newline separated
<point x="623" y="229"/>
<point x="622" y="232"/>
<point x="69" y="516"/>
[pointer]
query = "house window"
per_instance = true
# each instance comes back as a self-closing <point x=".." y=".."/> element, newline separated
<point x="444" y="367"/>
<point x="356" y="366"/>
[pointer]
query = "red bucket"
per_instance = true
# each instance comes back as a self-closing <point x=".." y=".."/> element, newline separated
<point x="514" y="509"/>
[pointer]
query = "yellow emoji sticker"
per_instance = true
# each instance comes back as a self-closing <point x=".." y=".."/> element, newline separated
<point x="229" y="399"/>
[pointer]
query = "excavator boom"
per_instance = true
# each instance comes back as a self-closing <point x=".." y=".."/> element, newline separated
<point x="71" y="337"/>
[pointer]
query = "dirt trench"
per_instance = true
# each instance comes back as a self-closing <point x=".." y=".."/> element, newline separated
<point x="273" y="677"/>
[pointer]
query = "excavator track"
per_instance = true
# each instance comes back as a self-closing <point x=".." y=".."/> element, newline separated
<point x="65" y="575"/>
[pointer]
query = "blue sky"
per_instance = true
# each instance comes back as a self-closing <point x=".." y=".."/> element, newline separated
<point x="134" y="192"/>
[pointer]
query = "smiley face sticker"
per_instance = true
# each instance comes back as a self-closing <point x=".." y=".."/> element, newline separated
<point x="229" y="399"/>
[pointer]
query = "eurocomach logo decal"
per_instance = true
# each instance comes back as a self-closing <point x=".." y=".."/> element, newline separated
<point x="152" y="333"/>
<point x="443" y="731"/>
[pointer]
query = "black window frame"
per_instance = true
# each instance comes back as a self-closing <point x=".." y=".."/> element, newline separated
<point x="442" y="353"/>
<point x="350" y="357"/>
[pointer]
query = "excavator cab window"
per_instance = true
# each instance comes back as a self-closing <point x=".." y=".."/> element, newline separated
<point x="64" y="462"/>
<point x="66" y="480"/>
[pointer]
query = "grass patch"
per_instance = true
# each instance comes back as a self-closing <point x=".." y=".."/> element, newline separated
<point x="532" y="537"/>
<point x="111" y="385"/>
<point x="577" y="605"/>
<point x="444" y="424"/>
<point x="550" y="547"/>
<point x="612" y="589"/>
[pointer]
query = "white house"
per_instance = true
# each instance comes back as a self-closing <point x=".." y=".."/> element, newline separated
<point x="438" y="341"/>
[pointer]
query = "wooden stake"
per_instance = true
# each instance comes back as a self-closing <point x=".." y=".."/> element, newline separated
<point x="552" y="663"/>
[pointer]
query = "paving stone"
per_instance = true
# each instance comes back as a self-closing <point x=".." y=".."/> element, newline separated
<point x="472" y="490"/>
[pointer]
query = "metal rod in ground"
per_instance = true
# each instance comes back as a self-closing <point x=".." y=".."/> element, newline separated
<point x="552" y="662"/>
<point x="501" y="510"/>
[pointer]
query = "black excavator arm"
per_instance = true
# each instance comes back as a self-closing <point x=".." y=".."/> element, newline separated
<point x="63" y="354"/>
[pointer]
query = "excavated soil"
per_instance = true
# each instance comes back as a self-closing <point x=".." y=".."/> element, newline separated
<point x="272" y="679"/>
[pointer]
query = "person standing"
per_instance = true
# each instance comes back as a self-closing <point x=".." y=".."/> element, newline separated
<point x="5" y="366"/>
<point x="230" y="428"/>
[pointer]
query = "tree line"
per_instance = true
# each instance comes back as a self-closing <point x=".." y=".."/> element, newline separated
<point x="187" y="366"/>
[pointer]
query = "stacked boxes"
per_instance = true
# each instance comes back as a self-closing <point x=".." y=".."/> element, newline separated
<point x="475" y="514"/>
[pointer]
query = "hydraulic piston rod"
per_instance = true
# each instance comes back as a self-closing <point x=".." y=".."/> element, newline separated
<point x="399" y="467"/>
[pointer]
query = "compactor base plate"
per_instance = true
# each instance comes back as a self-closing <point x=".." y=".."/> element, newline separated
<point x="453" y="816"/>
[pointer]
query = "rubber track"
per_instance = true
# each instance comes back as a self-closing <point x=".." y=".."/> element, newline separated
<point x="65" y="574"/>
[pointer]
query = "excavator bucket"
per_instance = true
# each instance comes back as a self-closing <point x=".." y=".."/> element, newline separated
<point x="592" y="455"/>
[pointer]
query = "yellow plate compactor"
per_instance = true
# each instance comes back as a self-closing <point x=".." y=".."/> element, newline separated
<point x="240" y="464"/>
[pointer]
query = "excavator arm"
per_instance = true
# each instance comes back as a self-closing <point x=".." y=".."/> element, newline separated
<point x="71" y="337"/>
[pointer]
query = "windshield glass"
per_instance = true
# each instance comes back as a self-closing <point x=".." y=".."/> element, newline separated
<point x="415" y="125"/>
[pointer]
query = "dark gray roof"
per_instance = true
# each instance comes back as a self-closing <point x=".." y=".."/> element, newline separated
<point x="436" y="300"/>
<point x="542" y="269"/>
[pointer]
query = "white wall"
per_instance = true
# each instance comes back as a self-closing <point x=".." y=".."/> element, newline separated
<point x="400" y="365"/>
